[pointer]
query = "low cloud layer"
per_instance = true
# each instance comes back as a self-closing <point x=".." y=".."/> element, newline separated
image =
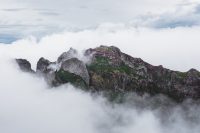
<point x="28" y="104"/>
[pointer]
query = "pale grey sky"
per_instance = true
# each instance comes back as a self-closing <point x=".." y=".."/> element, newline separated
<point x="39" y="17"/>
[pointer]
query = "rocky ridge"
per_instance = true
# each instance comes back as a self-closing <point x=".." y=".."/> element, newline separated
<point x="116" y="73"/>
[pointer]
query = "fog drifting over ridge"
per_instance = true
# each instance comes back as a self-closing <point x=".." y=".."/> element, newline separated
<point x="28" y="104"/>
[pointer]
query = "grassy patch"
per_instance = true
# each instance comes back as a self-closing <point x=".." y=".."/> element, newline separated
<point x="101" y="64"/>
<point x="67" y="77"/>
<point x="182" y="74"/>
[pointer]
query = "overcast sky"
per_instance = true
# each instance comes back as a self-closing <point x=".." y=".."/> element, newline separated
<point x="20" y="18"/>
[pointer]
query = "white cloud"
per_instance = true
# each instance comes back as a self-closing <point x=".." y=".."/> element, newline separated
<point x="29" y="105"/>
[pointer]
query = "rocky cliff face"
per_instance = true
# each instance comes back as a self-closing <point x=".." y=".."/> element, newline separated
<point x="116" y="73"/>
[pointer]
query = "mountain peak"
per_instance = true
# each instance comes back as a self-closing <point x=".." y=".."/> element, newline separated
<point x="114" y="72"/>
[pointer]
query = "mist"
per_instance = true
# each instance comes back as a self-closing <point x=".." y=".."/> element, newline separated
<point x="28" y="104"/>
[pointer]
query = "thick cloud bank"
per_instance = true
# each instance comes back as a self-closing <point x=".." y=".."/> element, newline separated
<point x="29" y="105"/>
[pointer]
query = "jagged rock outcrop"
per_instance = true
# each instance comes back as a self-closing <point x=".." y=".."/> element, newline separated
<point x="24" y="65"/>
<point x="66" y="69"/>
<point x="44" y="66"/>
<point x="46" y="69"/>
<point x="115" y="72"/>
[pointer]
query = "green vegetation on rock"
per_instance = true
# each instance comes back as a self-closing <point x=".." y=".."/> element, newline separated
<point x="103" y="64"/>
<point x="182" y="74"/>
<point x="67" y="77"/>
